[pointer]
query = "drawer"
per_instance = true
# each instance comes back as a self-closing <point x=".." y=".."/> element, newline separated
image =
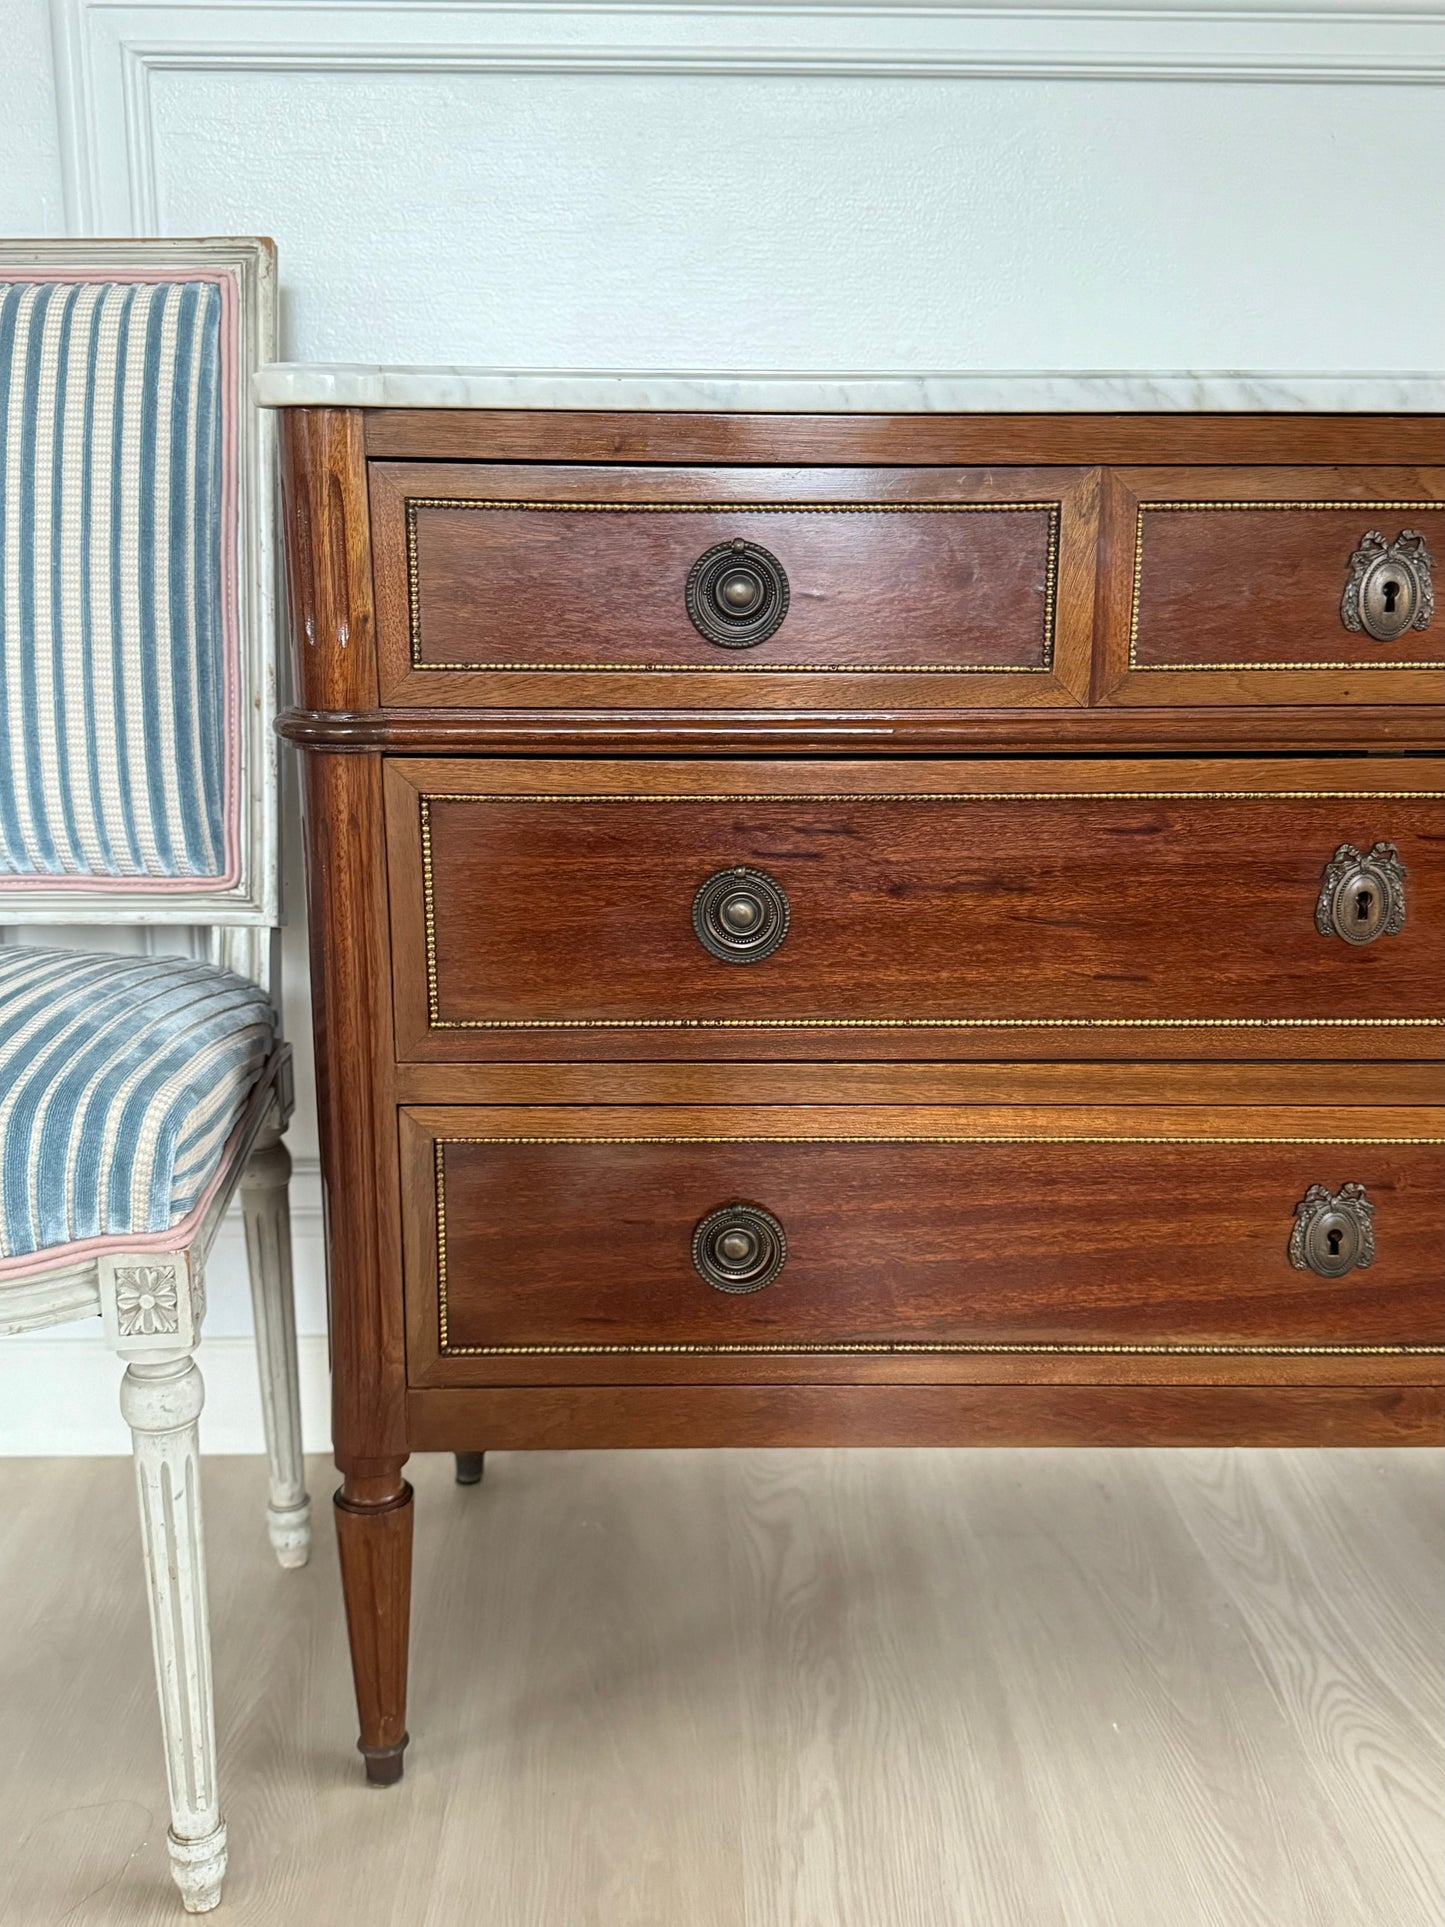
<point x="635" y="1239"/>
<point x="1287" y="585"/>
<point x="1174" y="907"/>
<point x="711" y="587"/>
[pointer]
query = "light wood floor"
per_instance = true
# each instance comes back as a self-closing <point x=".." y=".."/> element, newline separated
<point x="859" y="1689"/>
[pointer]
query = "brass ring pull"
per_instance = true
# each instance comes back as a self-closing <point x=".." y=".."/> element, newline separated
<point x="739" y="1248"/>
<point x="737" y="594"/>
<point x="741" y="915"/>
<point x="1391" y="588"/>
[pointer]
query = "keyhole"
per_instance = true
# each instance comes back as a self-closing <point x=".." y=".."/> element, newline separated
<point x="1335" y="1238"/>
<point x="1364" y="904"/>
<point x="1391" y="590"/>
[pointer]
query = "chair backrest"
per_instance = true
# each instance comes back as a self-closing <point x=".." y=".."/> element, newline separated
<point x="137" y="592"/>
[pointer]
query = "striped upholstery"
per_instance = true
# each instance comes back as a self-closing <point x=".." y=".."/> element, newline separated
<point x="117" y="620"/>
<point x="121" y="1079"/>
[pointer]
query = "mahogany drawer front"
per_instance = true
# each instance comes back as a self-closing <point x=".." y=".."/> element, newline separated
<point x="574" y="585"/>
<point x="576" y="1235"/>
<point x="1287" y="585"/>
<point x="560" y="901"/>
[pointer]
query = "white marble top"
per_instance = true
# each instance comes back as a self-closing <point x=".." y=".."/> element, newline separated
<point x="359" y="385"/>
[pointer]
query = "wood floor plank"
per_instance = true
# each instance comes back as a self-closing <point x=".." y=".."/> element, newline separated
<point x="789" y="1689"/>
<point x="1312" y="1610"/>
<point x="1142" y="1770"/>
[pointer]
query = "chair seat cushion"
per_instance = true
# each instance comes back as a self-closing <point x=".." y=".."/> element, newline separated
<point x="121" y="1079"/>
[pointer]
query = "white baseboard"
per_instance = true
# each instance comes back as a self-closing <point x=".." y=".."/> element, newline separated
<point x="63" y="1399"/>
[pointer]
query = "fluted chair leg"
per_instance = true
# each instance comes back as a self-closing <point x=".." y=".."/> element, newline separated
<point x="265" y="1206"/>
<point x="161" y="1400"/>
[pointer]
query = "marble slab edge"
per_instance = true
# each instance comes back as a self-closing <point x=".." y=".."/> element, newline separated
<point x="357" y="385"/>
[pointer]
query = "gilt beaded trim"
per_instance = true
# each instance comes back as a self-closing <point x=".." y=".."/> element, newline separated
<point x="1208" y="668"/>
<point x="920" y="1137"/>
<point x="892" y="1347"/>
<point x="1053" y="511"/>
<point x="436" y="1021"/>
<point x="903" y="1347"/>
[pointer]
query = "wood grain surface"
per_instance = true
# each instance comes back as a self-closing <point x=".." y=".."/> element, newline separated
<point x="588" y="1244"/>
<point x="1060" y="907"/>
<point x="1216" y="601"/>
<point x="374" y="1541"/>
<point x="1345" y="1086"/>
<point x="1008" y="893"/>
<point x="565" y="435"/>
<point x="509" y="584"/>
<point x="947" y="583"/>
<point x="1262" y="586"/>
<point x="765" y="1689"/>
<point x="873" y="729"/>
<point x="651" y="1416"/>
<point x="329" y="577"/>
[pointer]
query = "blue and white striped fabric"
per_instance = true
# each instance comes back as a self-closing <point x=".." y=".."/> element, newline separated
<point x="114" y="620"/>
<point x="121" y="1079"/>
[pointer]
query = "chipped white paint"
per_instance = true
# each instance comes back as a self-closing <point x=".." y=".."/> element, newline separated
<point x="150" y="1301"/>
<point x="161" y="1400"/>
<point x="152" y="1304"/>
<point x="264" y="1191"/>
<point x="55" y="1299"/>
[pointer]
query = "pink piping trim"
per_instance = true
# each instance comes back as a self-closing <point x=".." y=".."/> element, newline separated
<point x="35" y="1264"/>
<point x="230" y="608"/>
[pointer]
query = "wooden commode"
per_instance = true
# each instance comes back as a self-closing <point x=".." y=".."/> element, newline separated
<point x="863" y="928"/>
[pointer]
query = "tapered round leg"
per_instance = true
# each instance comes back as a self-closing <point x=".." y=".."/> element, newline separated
<point x="470" y="1466"/>
<point x="265" y="1206"/>
<point x="161" y="1400"/>
<point x="373" y="1536"/>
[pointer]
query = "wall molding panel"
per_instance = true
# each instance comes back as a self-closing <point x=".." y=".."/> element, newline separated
<point x="110" y="52"/>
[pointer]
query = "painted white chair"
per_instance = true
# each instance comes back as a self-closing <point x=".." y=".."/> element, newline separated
<point x="138" y="786"/>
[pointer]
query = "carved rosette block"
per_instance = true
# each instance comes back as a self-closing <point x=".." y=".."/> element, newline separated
<point x="151" y="1303"/>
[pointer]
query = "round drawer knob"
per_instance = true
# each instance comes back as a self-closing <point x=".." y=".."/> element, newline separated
<point x="737" y="594"/>
<point x="739" y="1248"/>
<point x="740" y="915"/>
<point x="740" y="593"/>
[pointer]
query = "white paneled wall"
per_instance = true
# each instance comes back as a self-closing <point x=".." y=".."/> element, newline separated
<point x="740" y="187"/>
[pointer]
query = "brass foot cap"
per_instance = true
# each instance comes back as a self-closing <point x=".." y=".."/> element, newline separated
<point x="383" y="1763"/>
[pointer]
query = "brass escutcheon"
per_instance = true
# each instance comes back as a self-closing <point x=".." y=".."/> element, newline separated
<point x="1333" y="1231"/>
<point x="1390" y="588"/>
<point x="1362" y="897"/>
